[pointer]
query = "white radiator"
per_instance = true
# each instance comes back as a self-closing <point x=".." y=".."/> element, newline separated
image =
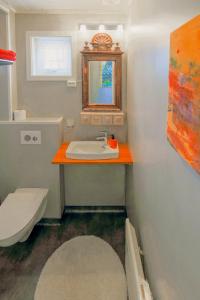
<point x="138" y="287"/>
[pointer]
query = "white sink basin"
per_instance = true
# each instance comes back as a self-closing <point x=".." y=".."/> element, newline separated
<point x="91" y="150"/>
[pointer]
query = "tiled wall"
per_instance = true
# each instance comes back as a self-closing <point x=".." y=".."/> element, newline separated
<point x="99" y="119"/>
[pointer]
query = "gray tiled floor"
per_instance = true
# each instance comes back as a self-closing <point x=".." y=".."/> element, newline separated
<point x="21" y="264"/>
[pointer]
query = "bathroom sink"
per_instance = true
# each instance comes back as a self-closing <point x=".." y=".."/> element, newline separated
<point x="91" y="150"/>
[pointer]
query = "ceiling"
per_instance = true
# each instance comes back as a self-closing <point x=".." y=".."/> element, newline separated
<point x="115" y="6"/>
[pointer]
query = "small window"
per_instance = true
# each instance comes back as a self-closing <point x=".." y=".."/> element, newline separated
<point x="49" y="56"/>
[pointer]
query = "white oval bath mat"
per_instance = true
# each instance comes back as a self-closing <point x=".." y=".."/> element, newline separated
<point x="84" y="268"/>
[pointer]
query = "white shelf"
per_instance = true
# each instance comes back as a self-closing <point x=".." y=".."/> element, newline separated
<point x="5" y="62"/>
<point x="34" y="121"/>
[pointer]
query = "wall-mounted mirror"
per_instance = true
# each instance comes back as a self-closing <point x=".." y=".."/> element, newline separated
<point x="101" y="82"/>
<point x="101" y="74"/>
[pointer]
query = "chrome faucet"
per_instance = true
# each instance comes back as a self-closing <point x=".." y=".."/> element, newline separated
<point x="103" y="138"/>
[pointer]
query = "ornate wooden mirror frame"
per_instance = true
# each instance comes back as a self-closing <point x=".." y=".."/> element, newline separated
<point x="101" y="49"/>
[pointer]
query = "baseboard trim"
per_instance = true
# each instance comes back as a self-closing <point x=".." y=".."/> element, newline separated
<point x="94" y="209"/>
<point x="49" y="222"/>
<point x="82" y="210"/>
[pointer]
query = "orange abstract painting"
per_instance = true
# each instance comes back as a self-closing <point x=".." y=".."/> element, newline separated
<point x="183" y="128"/>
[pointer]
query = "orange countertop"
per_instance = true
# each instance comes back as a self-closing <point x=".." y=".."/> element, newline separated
<point x="125" y="157"/>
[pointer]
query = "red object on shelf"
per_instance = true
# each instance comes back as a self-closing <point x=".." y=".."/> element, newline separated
<point x="7" y="55"/>
<point x="113" y="143"/>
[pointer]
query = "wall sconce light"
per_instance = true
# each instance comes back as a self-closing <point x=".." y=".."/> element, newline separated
<point x="102" y="28"/>
<point x="82" y="28"/>
<point x="120" y="28"/>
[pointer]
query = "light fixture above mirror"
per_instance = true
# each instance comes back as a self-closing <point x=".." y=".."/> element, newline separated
<point x="101" y="27"/>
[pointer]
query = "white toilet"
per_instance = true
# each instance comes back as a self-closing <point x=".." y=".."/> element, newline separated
<point x="19" y="213"/>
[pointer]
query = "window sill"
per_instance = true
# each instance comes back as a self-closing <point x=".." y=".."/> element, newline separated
<point x="49" y="78"/>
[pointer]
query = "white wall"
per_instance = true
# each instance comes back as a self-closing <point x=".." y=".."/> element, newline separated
<point x="3" y="30"/>
<point x="55" y="98"/>
<point x="163" y="196"/>
<point x="8" y="83"/>
<point x="13" y="75"/>
<point x="4" y="70"/>
<point x="95" y="185"/>
<point x="4" y="93"/>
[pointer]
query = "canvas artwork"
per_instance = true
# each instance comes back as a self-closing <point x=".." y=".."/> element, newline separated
<point x="183" y="128"/>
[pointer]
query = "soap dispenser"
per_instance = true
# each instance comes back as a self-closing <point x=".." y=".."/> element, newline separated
<point x="112" y="141"/>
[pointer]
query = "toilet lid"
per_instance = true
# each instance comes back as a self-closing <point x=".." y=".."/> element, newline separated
<point x="17" y="211"/>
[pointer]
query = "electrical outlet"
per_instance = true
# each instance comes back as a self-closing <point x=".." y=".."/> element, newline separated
<point x="71" y="83"/>
<point x="32" y="137"/>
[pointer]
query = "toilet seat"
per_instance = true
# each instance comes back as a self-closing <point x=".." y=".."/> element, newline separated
<point x="19" y="213"/>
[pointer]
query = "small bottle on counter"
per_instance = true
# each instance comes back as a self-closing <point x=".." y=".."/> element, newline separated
<point x="112" y="141"/>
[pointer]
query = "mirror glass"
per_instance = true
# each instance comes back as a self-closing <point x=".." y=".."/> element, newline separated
<point x="101" y="82"/>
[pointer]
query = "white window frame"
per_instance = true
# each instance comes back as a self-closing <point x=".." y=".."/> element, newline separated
<point x="29" y="67"/>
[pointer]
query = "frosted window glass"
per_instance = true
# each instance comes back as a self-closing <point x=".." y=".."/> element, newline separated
<point x="51" y="56"/>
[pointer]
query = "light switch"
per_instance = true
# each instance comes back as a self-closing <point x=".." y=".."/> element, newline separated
<point x="70" y="123"/>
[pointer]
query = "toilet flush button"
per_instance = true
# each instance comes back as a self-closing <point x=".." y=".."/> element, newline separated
<point x="27" y="137"/>
<point x="32" y="137"/>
